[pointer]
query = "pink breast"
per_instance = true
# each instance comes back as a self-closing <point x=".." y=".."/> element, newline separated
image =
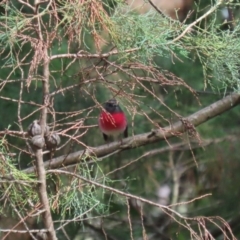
<point x="114" y="121"/>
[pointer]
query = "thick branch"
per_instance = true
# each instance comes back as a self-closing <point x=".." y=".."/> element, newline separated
<point x="41" y="173"/>
<point x="195" y="119"/>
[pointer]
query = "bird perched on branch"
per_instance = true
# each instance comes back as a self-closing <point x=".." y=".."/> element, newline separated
<point x="112" y="122"/>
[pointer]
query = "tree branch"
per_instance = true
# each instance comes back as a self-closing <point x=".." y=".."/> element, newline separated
<point x="233" y="224"/>
<point x="87" y="55"/>
<point x="41" y="173"/>
<point x="195" y="119"/>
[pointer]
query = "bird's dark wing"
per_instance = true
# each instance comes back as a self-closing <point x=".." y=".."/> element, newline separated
<point x="105" y="137"/>
<point x="125" y="134"/>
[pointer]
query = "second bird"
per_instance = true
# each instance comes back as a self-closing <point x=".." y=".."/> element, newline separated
<point x="113" y="122"/>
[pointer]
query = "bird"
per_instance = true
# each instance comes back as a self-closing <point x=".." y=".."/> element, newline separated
<point x="112" y="121"/>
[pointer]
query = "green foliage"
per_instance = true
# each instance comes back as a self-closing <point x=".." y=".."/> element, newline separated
<point x="218" y="52"/>
<point x="11" y="24"/>
<point x="149" y="32"/>
<point x="16" y="186"/>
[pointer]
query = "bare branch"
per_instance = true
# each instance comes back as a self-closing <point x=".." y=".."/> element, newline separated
<point x="47" y="218"/>
<point x="24" y="231"/>
<point x="102" y="55"/>
<point x="27" y="4"/>
<point x="41" y="173"/>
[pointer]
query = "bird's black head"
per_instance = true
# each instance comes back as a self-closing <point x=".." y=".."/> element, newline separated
<point x="112" y="106"/>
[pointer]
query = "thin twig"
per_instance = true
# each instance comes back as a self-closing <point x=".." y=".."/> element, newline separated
<point x="86" y="55"/>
